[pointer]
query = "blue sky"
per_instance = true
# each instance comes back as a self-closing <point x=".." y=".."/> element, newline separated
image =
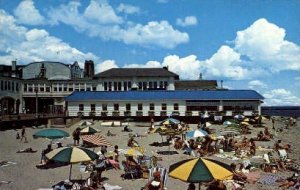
<point x="246" y="43"/>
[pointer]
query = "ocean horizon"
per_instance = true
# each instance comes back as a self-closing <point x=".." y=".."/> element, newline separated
<point x="290" y="111"/>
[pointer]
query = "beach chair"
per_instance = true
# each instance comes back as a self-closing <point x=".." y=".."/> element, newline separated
<point x="163" y="175"/>
<point x="132" y="173"/>
<point x="283" y="155"/>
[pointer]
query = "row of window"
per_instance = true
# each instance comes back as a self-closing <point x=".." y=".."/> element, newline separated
<point x="59" y="88"/>
<point x="128" y="107"/>
<point x="9" y="86"/>
<point x="127" y="85"/>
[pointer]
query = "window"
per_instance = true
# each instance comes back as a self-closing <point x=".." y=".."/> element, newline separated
<point x="8" y="85"/>
<point x="140" y="85"/>
<point x="161" y="84"/>
<point x="55" y="89"/>
<point x="60" y="87"/>
<point x="42" y="89"/>
<point x="104" y="107"/>
<point x="47" y="89"/>
<point x="30" y="89"/>
<point x="165" y="84"/>
<point x="13" y="86"/>
<point x="150" y="84"/>
<point x="151" y="107"/>
<point x="17" y="86"/>
<point x="94" y="88"/>
<point x="155" y="84"/>
<point x="115" y="86"/>
<point x="119" y="86"/>
<point x="2" y="85"/>
<point x="65" y="88"/>
<point x="116" y="107"/>
<point x="93" y="107"/>
<point x="176" y="107"/>
<point x="140" y="107"/>
<point x="144" y="85"/>
<point x="128" y="107"/>
<point x="105" y="86"/>
<point x="129" y="85"/>
<point x="81" y="107"/>
<point x="125" y="86"/>
<point x="88" y="88"/>
<point x="70" y="89"/>
<point x="109" y="86"/>
<point x="164" y="107"/>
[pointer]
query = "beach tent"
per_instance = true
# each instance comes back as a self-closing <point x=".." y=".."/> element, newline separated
<point x="71" y="155"/>
<point x="85" y="123"/>
<point x="200" y="170"/>
<point x="88" y="130"/>
<point x="51" y="134"/>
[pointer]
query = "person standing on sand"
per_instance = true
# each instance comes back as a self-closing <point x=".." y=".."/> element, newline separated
<point x="273" y="123"/>
<point x="76" y="136"/>
<point x="23" y="135"/>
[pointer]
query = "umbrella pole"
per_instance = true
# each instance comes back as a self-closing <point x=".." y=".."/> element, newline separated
<point x="199" y="185"/>
<point x="70" y="173"/>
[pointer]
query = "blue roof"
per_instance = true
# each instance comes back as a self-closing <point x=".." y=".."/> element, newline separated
<point x="165" y="95"/>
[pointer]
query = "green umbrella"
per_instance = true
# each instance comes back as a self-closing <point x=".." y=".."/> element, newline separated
<point x="51" y="134"/>
<point x="71" y="155"/>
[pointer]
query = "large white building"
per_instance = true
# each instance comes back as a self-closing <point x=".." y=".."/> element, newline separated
<point x="163" y="103"/>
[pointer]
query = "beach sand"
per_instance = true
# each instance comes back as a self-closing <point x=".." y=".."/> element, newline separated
<point x="23" y="174"/>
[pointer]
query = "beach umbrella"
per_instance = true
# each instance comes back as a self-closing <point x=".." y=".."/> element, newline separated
<point x="170" y="121"/>
<point x="88" y="130"/>
<point x="71" y="155"/>
<point x="196" y="133"/>
<point x="132" y="152"/>
<point x="158" y="129"/>
<point x="207" y="124"/>
<point x="200" y="170"/>
<point x="245" y="123"/>
<point x="239" y="117"/>
<point x="96" y="140"/>
<point x="246" y="119"/>
<point x="51" y="134"/>
<point x="227" y="123"/>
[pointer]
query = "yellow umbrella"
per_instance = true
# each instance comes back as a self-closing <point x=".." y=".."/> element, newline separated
<point x="245" y="123"/>
<point x="246" y="119"/>
<point x="132" y="152"/>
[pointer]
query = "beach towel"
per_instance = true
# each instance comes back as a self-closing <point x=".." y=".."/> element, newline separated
<point x="6" y="163"/>
<point x="111" y="187"/>
<point x="252" y="177"/>
<point x="268" y="179"/>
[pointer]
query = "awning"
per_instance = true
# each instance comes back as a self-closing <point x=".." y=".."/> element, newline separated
<point x="96" y="140"/>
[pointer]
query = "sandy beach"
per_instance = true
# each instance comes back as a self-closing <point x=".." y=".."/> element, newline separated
<point x="22" y="172"/>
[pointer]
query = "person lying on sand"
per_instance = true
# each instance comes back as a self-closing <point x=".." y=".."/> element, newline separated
<point x="27" y="150"/>
<point x="290" y="181"/>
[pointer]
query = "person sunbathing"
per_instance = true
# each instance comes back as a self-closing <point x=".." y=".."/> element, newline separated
<point x="237" y="175"/>
<point x="27" y="150"/>
<point x="278" y="146"/>
<point x="290" y="181"/>
<point x="262" y="137"/>
<point x="267" y="133"/>
<point x="110" y="134"/>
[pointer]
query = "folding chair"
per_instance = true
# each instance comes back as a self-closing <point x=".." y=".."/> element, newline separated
<point x="129" y="172"/>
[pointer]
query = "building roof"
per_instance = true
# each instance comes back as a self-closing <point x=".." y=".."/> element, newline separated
<point x="165" y="95"/>
<point x="195" y="84"/>
<point x="136" y="72"/>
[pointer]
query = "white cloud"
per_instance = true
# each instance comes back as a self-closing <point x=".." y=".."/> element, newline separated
<point x="187" y="67"/>
<point x="264" y="43"/>
<point x="18" y="42"/>
<point x="154" y="33"/>
<point x="256" y="84"/>
<point x="187" y="21"/>
<point x="101" y="12"/>
<point x="281" y="97"/>
<point x="297" y="78"/>
<point x="128" y="9"/>
<point x="26" y="13"/>
<point x="149" y="64"/>
<point x="105" y="65"/>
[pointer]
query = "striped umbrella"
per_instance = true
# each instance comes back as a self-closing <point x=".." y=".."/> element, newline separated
<point x="196" y="133"/>
<point x="96" y="140"/>
<point x="71" y="155"/>
<point x="200" y="170"/>
<point x="88" y="130"/>
<point x="51" y="134"/>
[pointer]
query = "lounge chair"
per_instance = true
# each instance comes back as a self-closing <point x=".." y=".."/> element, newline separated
<point x="130" y="172"/>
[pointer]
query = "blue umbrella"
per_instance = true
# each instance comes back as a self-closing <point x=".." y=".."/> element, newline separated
<point x="51" y="134"/>
<point x="196" y="133"/>
<point x="170" y="121"/>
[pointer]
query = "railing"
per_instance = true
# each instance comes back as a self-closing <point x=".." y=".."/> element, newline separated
<point x="30" y="116"/>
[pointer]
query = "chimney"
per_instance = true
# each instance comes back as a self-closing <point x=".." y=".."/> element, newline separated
<point x="166" y="67"/>
<point x="200" y="76"/>
<point x="89" y="70"/>
<point x="13" y="68"/>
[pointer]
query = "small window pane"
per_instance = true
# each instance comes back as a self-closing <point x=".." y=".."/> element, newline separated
<point x="140" y="107"/>
<point x="81" y="107"/>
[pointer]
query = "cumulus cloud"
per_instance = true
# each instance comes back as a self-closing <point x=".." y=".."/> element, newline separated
<point x="26" y="13"/>
<point x="105" y="65"/>
<point x="149" y="64"/>
<point x="25" y="45"/>
<point x="154" y="33"/>
<point x="187" y="21"/>
<point x="264" y="43"/>
<point x="281" y="96"/>
<point x="256" y="84"/>
<point x="128" y="9"/>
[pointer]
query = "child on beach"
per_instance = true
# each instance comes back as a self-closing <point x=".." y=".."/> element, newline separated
<point x="23" y="135"/>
